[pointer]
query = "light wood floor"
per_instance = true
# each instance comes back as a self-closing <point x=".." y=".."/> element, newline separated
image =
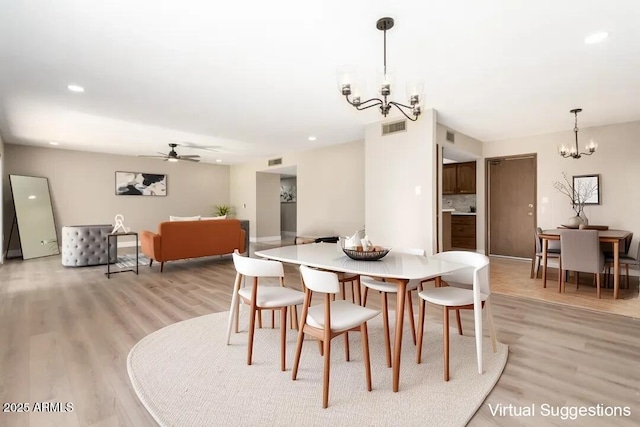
<point x="65" y="334"/>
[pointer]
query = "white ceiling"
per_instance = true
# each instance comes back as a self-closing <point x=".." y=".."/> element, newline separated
<point x="258" y="78"/>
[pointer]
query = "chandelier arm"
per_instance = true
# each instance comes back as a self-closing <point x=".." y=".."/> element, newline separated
<point x="403" y="113"/>
<point x="378" y="102"/>
<point x="397" y="104"/>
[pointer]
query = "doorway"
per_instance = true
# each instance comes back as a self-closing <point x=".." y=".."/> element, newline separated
<point x="511" y="197"/>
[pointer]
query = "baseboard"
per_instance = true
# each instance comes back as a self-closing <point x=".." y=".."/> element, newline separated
<point x="265" y="239"/>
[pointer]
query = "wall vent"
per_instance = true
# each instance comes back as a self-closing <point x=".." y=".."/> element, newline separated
<point x="275" y="162"/>
<point x="451" y="137"/>
<point x="394" y="127"/>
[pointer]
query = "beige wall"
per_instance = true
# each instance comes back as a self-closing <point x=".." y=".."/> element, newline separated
<point x="616" y="160"/>
<point x="83" y="186"/>
<point x="395" y="166"/>
<point x="330" y="183"/>
<point x="3" y="177"/>
<point x="267" y="206"/>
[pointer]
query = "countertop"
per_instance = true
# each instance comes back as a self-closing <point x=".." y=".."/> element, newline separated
<point x="463" y="213"/>
<point x="449" y="210"/>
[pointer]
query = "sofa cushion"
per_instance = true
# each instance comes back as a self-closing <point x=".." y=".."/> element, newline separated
<point x="204" y="218"/>
<point x="184" y="218"/>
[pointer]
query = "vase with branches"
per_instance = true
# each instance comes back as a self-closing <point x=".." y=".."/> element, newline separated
<point x="578" y="195"/>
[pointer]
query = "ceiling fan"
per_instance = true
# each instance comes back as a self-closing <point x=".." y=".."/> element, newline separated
<point x="172" y="156"/>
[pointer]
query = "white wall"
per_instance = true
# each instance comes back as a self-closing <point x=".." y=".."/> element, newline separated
<point x="330" y="183"/>
<point x="395" y="166"/>
<point x="616" y="160"/>
<point x="267" y="206"/>
<point x="83" y="186"/>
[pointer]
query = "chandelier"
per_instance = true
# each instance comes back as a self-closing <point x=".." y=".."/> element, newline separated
<point x="574" y="151"/>
<point x="348" y="87"/>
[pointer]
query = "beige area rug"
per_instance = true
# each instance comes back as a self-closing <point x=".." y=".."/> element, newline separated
<point x="185" y="375"/>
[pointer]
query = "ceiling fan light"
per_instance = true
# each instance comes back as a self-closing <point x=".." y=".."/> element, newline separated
<point x="172" y="159"/>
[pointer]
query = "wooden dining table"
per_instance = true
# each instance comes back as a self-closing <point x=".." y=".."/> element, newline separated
<point x="605" y="236"/>
<point x="397" y="268"/>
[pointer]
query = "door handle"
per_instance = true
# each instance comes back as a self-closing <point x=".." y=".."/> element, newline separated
<point x="530" y="205"/>
<point x="530" y="213"/>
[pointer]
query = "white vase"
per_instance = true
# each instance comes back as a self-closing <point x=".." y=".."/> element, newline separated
<point x="584" y="218"/>
<point x="575" y="221"/>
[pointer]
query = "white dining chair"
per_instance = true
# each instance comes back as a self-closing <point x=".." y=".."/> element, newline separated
<point x="262" y="298"/>
<point x="329" y="320"/>
<point x="386" y="288"/>
<point x="460" y="296"/>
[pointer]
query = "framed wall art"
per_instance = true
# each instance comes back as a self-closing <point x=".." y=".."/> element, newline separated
<point x="140" y="184"/>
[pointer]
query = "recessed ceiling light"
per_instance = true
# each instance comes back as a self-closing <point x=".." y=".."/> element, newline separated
<point x="54" y="143"/>
<point x="75" y="88"/>
<point x="312" y="138"/>
<point x="218" y="160"/>
<point x="596" y="37"/>
<point x="31" y="197"/>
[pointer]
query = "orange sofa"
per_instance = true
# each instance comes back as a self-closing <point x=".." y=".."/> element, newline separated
<point x="192" y="239"/>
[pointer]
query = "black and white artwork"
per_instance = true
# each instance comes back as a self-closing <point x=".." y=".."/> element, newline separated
<point x="140" y="184"/>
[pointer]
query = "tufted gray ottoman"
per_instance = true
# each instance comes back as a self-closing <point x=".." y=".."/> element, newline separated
<point x="86" y="245"/>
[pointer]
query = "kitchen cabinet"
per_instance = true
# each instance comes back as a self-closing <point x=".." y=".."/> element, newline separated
<point x="463" y="231"/>
<point x="459" y="178"/>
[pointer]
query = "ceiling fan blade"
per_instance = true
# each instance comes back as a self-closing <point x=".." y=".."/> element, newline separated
<point x="189" y="156"/>
<point x="189" y="160"/>
<point x="164" y="154"/>
<point x="152" y="157"/>
<point x="212" y="148"/>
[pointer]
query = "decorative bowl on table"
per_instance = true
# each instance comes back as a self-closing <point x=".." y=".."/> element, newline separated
<point x="361" y="255"/>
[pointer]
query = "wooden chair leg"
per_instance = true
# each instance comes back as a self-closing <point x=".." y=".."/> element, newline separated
<point x="283" y="338"/>
<point x="327" y="367"/>
<point x="321" y="348"/>
<point x="346" y="346"/>
<point x="385" y="321"/>
<point x="598" y="284"/>
<point x="273" y="319"/>
<point x="412" y="325"/>
<point x="365" y="354"/>
<point x="445" y="341"/>
<point x="364" y="296"/>
<point x="252" y="324"/>
<point x="533" y="269"/>
<point x="260" y="318"/>
<point x="577" y="280"/>
<point x="150" y="262"/>
<point x="459" y="322"/>
<point x="357" y="285"/>
<point x="626" y="267"/>
<point x="420" y="331"/>
<point x="296" y="358"/>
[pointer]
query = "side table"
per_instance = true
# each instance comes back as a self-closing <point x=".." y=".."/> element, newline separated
<point x="115" y="236"/>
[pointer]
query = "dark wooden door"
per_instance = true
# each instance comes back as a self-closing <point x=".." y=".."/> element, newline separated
<point x="466" y="178"/>
<point x="512" y="211"/>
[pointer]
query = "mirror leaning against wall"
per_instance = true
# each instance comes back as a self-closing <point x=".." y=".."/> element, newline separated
<point x="34" y="215"/>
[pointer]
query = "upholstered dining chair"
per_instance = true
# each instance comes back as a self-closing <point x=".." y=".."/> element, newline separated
<point x="624" y="259"/>
<point x="553" y="251"/>
<point x="457" y="297"/>
<point x="581" y="252"/>
<point x="262" y="297"/>
<point x="386" y="288"/>
<point x="329" y="320"/>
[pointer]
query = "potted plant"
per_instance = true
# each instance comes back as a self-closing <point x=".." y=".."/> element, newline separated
<point x="222" y="210"/>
